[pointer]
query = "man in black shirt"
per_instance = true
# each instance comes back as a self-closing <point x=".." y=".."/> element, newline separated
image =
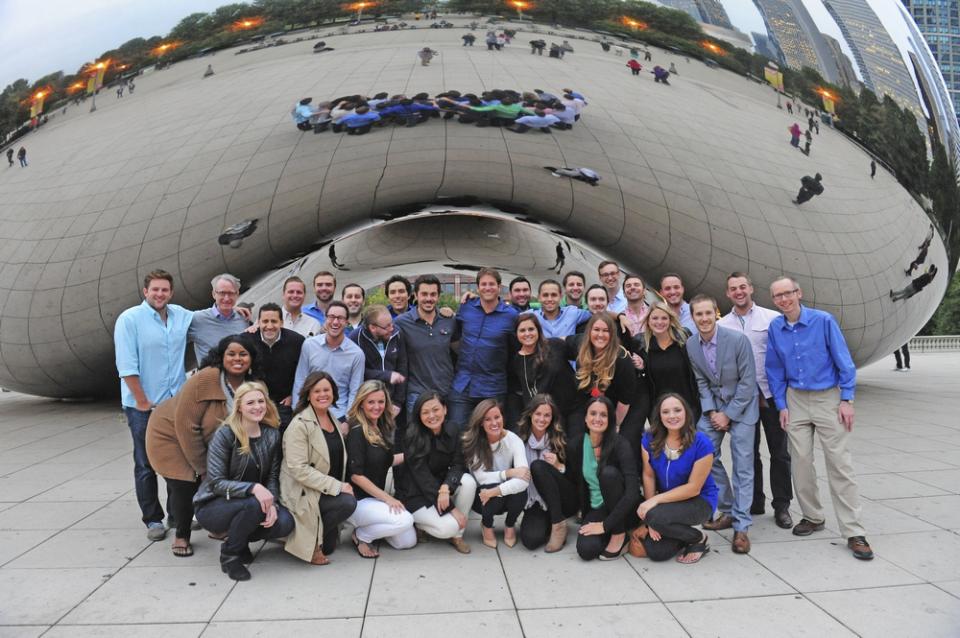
<point x="280" y="352"/>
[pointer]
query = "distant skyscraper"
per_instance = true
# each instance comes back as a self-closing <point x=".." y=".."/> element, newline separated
<point x="845" y="73"/>
<point x="714" y="13"/>
<point x="690" y="6"/>
<point x="767" y="47"/>
<point x="939" y="23"/>
<point x="789" y="23"/>
<point x="883" y="69"/>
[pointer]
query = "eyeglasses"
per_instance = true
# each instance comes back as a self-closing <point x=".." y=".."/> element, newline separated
<point x="388" y="327"/>
<point x="225" y="293"/>
<point x="785" y="294"/>
<point x="608" y="275"/>
<point x="335" y="319"/>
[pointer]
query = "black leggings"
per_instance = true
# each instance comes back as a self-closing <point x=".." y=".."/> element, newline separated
<point x="558" y="493"/>
<point x="612" y="487"/>
<point x="334" y="510"/>
<point x="674" y="522"/>
<point x="180" y="504"/>
<point x="240" y="518"/>
<point x="512" y="504"/>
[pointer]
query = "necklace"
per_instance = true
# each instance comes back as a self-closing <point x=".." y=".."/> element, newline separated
<point x="672" y="454"/>
<point x="531" y="389"/>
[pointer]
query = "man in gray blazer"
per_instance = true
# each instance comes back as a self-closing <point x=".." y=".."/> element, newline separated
<point x="723" y="363"/>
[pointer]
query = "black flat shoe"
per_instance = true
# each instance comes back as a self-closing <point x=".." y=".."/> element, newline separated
<point x="605" y="555"/>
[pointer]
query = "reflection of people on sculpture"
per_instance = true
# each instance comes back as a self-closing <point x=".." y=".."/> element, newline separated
<point x="426" y="54"/>
<point x="581" y="174"/>
<point x="635" y="66"/>
<point x="561" y="258"/>
<point x="921" y="257"/>
<point x="873" y="169"/>
<point x="810" y="186"/>
<point x="320" y="47"/>
<point x="916" y="285"/>
<point x="794" y="134"/>
<point x="332" y="253"/>
<point x="927" y="239"/>
<point x="660" y="74"/>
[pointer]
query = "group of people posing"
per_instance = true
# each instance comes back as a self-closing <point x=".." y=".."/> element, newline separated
<point x="357" y="114"/>
<point x="608" y="403"/>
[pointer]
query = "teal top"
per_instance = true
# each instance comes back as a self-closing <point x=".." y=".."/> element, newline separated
<point x="590" y="473"/>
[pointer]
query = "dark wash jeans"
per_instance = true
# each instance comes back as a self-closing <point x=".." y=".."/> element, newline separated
<point x="144" y="478"/>
<point x="240" y="518"/>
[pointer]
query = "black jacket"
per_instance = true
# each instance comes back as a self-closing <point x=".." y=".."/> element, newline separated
<point x="555" y="377"/>
<point x="226" y="465"/>
<point x="622" y="458"/>
<point x="419" y="485"/>
<point x="279" y="363"/>
<point x="379" y="367"/>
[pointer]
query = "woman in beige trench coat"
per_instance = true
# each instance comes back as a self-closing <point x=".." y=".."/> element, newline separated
<point x="313" y="483"/>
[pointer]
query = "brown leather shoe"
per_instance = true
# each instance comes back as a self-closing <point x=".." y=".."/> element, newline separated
<point x="741" y="543"/>
<point x="460" y="545"/>
<point x="724" y="521"/>
<point x="558" y="537"/>
<point x="861" y="549"/>
<point x="806" y="527"/>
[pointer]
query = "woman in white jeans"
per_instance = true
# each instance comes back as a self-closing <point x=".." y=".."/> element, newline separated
<point x="434" y="485"/>
<point x="370" y="456"/>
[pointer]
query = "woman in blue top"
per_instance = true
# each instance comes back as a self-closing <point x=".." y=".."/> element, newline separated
<point x="677" y="483"/>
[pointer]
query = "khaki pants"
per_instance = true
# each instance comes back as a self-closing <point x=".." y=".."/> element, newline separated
<point x="816" y="411"/>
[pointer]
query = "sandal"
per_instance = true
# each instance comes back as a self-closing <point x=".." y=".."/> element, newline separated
<point x="358" y="543"/>
<point x="700" y="549"/>
<point x="319" y="558"/>
<point x="182" y="551"/>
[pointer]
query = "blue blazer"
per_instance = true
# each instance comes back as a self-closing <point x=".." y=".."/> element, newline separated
<point x="733" y="389"/>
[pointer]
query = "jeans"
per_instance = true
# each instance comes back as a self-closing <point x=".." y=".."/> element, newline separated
<point x="674" y="522"/>
<point x="460" y="406"/>
<point x="612" y="487"/>
<point x="412" y="398"/>
<point x="334" y="510"/>
<point x="144" y="478"/>
<point x="180" y="504"/>
<point x="735" y="499"/>
<point x="512" y="504"/>
<point x="240" y="518"/>
<point x="781" y="487"/>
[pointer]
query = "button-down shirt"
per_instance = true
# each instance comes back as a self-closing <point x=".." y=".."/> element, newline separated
<point x="344" y="363"/>
<point x="209" y="326"/>
<point x="618" y="304"/>
<point x="484" y="348"/>
<point x="709" y="349"/>
<point x="810" y="355"/>
<point x="151" y="349"/>
<point x="304" y="324"/>
<point x="429" y="360"/>
<point x="686" y="319"/>
<point x="754" y="324"/>
<point x="635" y="319"/>
<point x="317" y="313"/>
<point x="564" y="324"/>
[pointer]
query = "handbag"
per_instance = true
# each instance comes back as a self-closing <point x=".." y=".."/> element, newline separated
<point x="636" y="547"/>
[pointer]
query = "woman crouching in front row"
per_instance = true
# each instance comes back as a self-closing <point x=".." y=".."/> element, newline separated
<point x="240" y="496"/>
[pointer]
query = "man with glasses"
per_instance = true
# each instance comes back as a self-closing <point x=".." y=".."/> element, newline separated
<point x="385" y="354"/>
<point x="609" y="273"/>
<point x="210" y="325"/>
<point x="812" y="379"/>
<point x="333" y="353"/>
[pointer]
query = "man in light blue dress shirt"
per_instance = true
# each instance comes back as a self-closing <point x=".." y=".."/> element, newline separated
<point x="672" y="290"/>
<point x="150" y="341"/>
<point x="609" y="272"/>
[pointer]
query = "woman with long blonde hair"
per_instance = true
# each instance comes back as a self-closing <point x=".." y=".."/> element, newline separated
<point x="665" y="358"/>
<point x="604" y="368"/>
<point x="370" y="450"/>
<point x="241" y="493"/>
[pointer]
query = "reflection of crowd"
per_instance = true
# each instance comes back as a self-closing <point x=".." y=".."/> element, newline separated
<point x="358" y="114"/>
<point x="550" y="409"/>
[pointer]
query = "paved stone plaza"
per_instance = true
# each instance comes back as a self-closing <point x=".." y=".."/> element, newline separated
<point x="74" y="560"/>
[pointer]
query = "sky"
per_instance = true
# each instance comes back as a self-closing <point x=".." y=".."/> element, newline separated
<point x="37" y="38"/>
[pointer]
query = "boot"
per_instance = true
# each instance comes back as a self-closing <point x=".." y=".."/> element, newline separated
<point x="558" y="537"/>
<point x="233" y="567"/>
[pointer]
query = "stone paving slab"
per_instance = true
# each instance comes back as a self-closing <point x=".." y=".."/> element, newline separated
<point x="74" y="560"/>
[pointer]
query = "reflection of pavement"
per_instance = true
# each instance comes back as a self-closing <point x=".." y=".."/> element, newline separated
<point x="73" y="551"/>
<point x="696" y="178"/>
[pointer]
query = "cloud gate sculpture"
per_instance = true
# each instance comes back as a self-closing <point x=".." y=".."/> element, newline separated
<point x="697" y="177"/>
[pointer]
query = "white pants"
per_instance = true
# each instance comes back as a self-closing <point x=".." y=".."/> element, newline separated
<point x="374" y="520"/>
<point x="430" y="521"/>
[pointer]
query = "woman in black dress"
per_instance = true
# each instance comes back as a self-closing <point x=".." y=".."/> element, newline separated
<point x="665" y="360"/>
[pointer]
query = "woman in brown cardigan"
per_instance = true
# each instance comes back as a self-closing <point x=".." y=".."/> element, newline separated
<point x="313" y="476"/>
<point x="181" y="427"/>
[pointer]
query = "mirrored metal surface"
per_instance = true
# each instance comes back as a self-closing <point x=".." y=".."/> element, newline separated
<point x="696" y="177"/>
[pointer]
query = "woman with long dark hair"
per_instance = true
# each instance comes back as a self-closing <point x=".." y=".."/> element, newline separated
<point x="435" y="486"/>
<point x="608" y="478"/>
<point x="181" y="427"/>
<point x="496" y="458"/>
<point x="539" y="366"/>
<point x="679" y="490"/>
<point x="313" y="477"/>
<point x="552" y="494"/>
<point x="370" y="448"/>
<point x="240" y="496"/>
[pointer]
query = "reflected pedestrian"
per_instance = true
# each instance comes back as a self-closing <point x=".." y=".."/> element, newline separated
<point x="10" y="156"/>
<point x="810" y="186"/>
<point x="873" y="169"/>
<point x="22" y="156"/>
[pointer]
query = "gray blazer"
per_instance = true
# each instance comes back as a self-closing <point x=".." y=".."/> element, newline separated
<point x="733" y="389"/>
